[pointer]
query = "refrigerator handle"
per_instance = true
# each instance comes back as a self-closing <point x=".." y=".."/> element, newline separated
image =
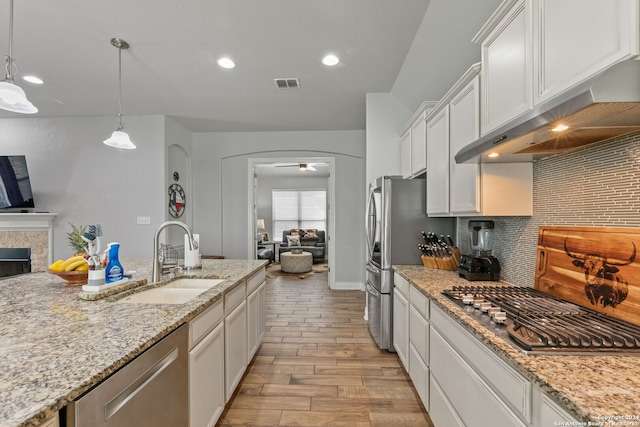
<point x="371" y="269"/>
<point x="371" y="222"/>
<point x="370" y="289"/>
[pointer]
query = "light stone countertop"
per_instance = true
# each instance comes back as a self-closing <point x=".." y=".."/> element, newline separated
<point x="55" y="346"/>
<point x="588" y="387"/>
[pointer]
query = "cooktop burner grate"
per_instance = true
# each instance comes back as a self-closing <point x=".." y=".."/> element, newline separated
<point x="540" y="323"/>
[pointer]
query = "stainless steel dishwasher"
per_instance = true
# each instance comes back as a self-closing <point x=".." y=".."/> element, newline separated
<point x="152" y="390"/>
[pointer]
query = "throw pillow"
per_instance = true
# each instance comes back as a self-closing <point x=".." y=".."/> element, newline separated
<point x="313" y="233"/>
<point x="306" y="241"/>
<point x="294" y="232"/>
<point x="293" y="240"/>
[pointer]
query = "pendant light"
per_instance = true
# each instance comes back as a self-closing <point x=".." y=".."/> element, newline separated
<point x="119" y="138"/>
<point x="12" y="97"/>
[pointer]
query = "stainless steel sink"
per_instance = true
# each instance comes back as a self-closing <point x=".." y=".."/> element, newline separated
<point x="177" y="292"/>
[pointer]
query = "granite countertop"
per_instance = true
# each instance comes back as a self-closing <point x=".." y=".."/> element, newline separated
<point x="54" y="346"/>
<point x="588" y="387"/>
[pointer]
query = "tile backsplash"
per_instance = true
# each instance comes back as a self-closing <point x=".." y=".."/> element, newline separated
<point x="594" y="186"/>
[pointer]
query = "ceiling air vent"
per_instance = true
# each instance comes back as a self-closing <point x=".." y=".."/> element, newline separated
<point x="287" y="83"/>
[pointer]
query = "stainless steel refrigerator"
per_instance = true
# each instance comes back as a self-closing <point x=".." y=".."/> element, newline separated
<point x="396" y="215"/>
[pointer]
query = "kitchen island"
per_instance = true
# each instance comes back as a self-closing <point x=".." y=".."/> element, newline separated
<point x="589" y="388"/>
<point x="54" y="346"/>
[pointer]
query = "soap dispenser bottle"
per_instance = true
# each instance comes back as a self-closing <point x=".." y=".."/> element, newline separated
<point x="114" y="270"/>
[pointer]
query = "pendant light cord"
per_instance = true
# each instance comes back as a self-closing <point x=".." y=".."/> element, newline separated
<point x="9" y="58"/>
<point x="120" y="126"/>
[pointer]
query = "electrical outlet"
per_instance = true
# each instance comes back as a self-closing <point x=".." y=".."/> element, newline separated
<point x="144" y="220"/>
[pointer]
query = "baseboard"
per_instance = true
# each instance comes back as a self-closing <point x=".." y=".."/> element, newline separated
<point x="348" y="286"/>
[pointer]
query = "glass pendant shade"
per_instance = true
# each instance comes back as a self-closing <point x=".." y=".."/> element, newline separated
<point x="120" y="139"/>
<point x="13" y="98"/>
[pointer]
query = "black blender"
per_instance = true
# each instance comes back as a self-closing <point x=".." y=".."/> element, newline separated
<point x="480" y="265"/>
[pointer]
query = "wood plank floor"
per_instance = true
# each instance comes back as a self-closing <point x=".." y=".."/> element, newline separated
<point x="319" y="366"/>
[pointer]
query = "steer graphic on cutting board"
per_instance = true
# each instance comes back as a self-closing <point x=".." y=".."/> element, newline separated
<point x="604" y="285"/>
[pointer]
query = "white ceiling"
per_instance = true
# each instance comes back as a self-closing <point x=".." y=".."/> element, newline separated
<point x="171" y="67"/>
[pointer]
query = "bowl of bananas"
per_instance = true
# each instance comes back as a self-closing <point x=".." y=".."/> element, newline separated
<point x="74" y="270"/>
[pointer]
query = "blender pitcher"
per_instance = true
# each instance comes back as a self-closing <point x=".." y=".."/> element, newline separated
<point x="481" y="234"/>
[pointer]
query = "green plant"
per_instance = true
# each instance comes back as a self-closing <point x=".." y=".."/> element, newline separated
<point x="74" y="237"/>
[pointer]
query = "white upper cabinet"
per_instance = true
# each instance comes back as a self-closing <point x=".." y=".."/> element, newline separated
<point x="533" y="50"/>
<point x="506" y="65"/>
<point x="419" y="144"/>
<point x="576" y="39"/>
<point x="405" y="154"/>
<point x="438" y="162"/>
<point x="470" y="189"/>
<point x="413" y="143"/>
<point x="464" y="128"/>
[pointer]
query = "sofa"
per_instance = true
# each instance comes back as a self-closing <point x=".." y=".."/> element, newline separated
<point x="315" y="244"/>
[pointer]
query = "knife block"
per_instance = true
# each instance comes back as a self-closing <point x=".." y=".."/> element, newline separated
<point x="446" y="263"/>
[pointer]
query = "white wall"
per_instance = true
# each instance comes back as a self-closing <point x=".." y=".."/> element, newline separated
<point x="220" y="165"/>
<point x="86" y="182"/>
<point x="385" y="117"/>
<point x="178" y="142"/>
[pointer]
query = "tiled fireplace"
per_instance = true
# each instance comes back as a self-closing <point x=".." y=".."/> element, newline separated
<point x="29" y="230"/>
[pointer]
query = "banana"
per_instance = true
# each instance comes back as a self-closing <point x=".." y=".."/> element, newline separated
<point x="70" y="261"/>
<point x="56" y="266"/>
<point x="76" y="264"/>
<point x="83" y="267"/>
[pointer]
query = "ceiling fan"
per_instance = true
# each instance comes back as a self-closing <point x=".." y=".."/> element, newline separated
<point x="301" y="166"/>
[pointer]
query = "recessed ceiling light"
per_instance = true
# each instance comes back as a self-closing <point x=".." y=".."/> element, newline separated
<point x="560" y="128"/>
<point x="492" y="155"/>
<point x="226" y="63"/>
<point x="33" y="79"/>
<point x="330" y="60"/>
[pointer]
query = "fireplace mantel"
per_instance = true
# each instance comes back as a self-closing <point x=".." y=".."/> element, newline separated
<point x="26" y="222"/>
<point x="12" y="221"/>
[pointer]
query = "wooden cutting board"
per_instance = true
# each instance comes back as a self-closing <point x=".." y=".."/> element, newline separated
<point x="595" y="267"/>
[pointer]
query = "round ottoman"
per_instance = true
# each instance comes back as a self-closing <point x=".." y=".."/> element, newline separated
<point x="296" y="263"/>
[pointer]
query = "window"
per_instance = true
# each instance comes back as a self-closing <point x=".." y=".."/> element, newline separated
<point x="298" y="209"/>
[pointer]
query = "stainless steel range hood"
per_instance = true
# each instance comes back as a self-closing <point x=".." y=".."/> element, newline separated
<point x="604" y="107"/>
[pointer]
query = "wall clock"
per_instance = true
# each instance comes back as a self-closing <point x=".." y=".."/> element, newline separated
<point x="177" y="200"/>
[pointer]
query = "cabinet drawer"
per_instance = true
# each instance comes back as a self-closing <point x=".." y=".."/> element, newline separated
<point x="419" y="301"/>
<point x="234" y="297"/>
<point x="205" y="322"/>
<point x="419" y="334"/>
<point x="401" y="284"/>
<point x="419" y="373"/>
<point x="254" y="281"/>
<point x="474" y="401"/>
<point x="511" y="386"/>
<point x="440" y="410"/>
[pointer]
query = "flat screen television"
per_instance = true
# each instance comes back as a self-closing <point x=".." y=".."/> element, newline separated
<point x="15" y="185"/>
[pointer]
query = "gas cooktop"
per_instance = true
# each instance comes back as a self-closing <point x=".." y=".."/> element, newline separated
<point x="538" y="323"/>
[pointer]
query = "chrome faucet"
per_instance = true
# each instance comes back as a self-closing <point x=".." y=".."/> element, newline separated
<point x="157" y="262"/>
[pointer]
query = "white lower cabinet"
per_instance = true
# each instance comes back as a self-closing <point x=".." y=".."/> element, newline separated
<point x="440" y="410"/>
<point x="235" y="349"/>
<point x="419" y="373"/>
<point x="419" y="343"/>
<point x="401" y="327"/>
<point x="473" y="399"/>
<point x="206" y="374"/>
<point x="256" y="318"/>
<point x="550" y="414"/>
<point x="206" y="366"/>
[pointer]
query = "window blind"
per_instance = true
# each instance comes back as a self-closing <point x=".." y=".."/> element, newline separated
<point x="298" y="209"/>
